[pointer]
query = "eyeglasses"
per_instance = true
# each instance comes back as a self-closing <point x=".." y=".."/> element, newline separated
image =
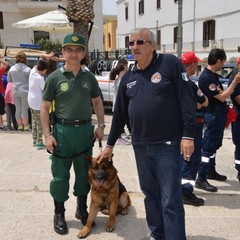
<point x="138" y="42"/>
<point x="71" y="50"/>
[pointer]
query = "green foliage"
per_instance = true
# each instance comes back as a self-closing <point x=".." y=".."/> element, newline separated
<point x="49" y="45"/>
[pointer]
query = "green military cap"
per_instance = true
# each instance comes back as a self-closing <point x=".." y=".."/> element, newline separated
<point x="74" y="39"/>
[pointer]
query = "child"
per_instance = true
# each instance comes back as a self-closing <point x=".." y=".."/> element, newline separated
<point x="36" y="85"/>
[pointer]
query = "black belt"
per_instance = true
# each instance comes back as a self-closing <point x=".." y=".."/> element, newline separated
<point x="72" y="122"/>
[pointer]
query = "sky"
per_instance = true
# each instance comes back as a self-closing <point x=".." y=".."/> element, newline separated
<point x="109" y="7"/>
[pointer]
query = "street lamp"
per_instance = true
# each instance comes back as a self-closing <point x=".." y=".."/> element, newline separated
<point x="179" y="32"/>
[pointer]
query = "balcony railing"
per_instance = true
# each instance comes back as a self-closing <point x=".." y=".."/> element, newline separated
<point x="38" y="1"/>
<point x="35" y="5"/>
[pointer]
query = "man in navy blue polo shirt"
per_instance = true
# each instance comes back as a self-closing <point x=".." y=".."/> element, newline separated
<point x="215" y="118"/>
<point x="190" y="168"/>
<point x="235" y="96"/>
<point x="157" y="99"/>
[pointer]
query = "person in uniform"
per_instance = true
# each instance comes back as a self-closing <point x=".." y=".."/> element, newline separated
<point x="235" y="97"/>
<point x="73" y="89"/>
<point x="190" y="168"/>
<point x="157" y="99"/>
<point x="215" y="118"/>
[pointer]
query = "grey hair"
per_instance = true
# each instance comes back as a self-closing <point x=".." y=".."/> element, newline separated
<point x="152" y="36"/>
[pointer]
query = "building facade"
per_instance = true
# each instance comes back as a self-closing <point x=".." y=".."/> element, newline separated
<point x="12" y="11"/>
<point x="205" y="24"/>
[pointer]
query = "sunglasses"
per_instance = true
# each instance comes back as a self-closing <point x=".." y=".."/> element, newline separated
<point x="138" y="42"/>
<point x="71" y="50"/>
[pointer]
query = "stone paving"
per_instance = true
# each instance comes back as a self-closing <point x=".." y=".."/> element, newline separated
<point x="26" y="207"/>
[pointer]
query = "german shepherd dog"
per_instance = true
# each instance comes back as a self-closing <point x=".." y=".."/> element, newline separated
<point x="107" y="193"/>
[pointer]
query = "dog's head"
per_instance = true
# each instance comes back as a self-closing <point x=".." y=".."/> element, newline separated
<point x="101" y="172"/>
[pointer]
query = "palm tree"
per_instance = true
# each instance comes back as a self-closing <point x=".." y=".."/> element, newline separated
<point x="80" y="13"/>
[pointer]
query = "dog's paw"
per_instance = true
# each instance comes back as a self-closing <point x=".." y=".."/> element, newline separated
<point x="83" y="233"/>
<point x="110" y="228"/>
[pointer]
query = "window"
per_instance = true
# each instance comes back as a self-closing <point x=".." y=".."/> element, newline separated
<point x="141" y="7"/>
<point x="208" y="32"/>
<point x="126" y="12"/>
<point x="40" y="34"/>
<point x="109" y="40"/>
<point x="1" y="21"/>
<point x="159" y="40"/>
<point x="175" y="34"/>
<point x="158" y="2"/>
<point x="126" y="41"/>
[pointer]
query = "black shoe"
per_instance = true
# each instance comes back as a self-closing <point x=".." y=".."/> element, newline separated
<point x="82" y="215"/>
<point x="205" y="185"/>
<point x="60" y="225"/>
<point x="192" y="199"/>
<point x="238" y="176"/>
<point x="216" y="176"/>
<point x="81" y="211"/>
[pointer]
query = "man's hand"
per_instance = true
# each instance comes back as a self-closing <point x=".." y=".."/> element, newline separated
<point x="187" y="148"/>
<point x="106" y="152"/>
<point x="99" y="133"/>
<point x="50" y="143"/>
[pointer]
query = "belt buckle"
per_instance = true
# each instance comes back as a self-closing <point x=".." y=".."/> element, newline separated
<point x="77" y="123"/>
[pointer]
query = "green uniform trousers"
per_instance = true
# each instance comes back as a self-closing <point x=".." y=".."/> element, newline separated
<point x="71" y="140"/>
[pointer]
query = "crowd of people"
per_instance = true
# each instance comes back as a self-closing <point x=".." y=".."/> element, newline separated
<point x="176" y="126"/>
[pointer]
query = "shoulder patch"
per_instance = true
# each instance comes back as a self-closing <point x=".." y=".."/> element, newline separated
<point x="199" y="93"/>
<point x="212" y="87"/>
<point x="185" y="76"/>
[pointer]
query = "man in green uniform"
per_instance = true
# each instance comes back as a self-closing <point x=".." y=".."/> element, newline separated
<point x="72" y="89"/>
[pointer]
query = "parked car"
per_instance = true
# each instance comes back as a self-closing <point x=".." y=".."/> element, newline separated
<point x="107" y="86"/>
<point x="224" y="74"/>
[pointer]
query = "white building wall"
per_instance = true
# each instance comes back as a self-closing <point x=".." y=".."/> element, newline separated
<point x="12" y="13"/>
<point x="225" y="13"/>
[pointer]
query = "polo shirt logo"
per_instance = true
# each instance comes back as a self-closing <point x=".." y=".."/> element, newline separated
<point x="85" y="85"/>
<point x="156" y="77"/>
<point x="64" y="87"/>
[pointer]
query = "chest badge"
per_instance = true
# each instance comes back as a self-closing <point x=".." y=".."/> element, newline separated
<point x="156" y="77"/>
<point x="64" y="87"/>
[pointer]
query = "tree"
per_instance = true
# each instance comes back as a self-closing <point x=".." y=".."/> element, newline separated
<point x="80" y="13"/>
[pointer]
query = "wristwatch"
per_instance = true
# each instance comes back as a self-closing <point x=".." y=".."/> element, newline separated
<point x="102" y="125"/>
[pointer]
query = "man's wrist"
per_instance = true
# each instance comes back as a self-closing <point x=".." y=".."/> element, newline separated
<point x="101" y="125"/>
<point x="47" y="135"/>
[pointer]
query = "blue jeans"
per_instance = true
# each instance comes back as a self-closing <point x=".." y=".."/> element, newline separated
<point x="190" y="168"/>
<point x="212" y="141"/>
<point x="159" y="170"/>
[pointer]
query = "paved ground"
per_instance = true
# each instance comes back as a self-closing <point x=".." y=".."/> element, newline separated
<point x="26" y="207"/>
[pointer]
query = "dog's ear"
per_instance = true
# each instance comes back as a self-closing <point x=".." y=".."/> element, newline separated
<point x="89" y="158"/>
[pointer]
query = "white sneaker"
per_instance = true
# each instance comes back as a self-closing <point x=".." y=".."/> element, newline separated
<point x="121" y="141"/>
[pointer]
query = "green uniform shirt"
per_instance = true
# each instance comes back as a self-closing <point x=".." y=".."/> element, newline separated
<point x="72" y="95"/>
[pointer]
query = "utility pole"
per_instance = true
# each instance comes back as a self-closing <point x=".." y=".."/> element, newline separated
<point x="179" y="33"/>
